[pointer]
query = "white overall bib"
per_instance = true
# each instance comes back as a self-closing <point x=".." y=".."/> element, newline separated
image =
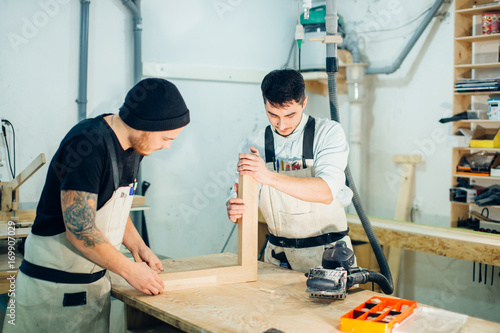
<point x="292" y="218"/>
<point x="45" y="306"/>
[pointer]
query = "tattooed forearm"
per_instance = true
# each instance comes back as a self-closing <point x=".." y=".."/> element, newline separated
<point x="79" y="211"/>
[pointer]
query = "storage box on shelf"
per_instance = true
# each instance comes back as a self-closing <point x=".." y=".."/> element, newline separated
<point x="476" y="56"/>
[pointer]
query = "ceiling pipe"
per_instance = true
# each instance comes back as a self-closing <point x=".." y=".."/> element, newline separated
<point x="399" y="60"/>
<point x="84" y="54"/>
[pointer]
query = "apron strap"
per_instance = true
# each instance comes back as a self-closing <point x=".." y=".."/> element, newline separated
<point x="307" y="142"/>
<point x="57" y="276"/>
<point x="299" y="243"/>
<point x="112" y="154"/>
<point x="136" y="164"/>
<point x="269" y="145"/>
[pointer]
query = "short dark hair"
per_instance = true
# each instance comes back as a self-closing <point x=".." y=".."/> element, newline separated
<point x="282" y="87"/>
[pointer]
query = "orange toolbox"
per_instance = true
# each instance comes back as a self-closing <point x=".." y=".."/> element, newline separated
<point x="377" y="315"/>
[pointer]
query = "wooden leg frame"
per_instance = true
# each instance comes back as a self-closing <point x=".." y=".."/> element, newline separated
<point x="246" y="268"/>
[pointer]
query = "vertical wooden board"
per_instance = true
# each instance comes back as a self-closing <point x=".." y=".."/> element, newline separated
<point x="28" y="171"/>
<point x="456" y="155"/>
<point x="405" y="183"/>
<point x="460" y="104"/>
<point x="6" y="198"/>
<point x="248" y="224"/>
<point x="362" y="252"/>
<point x="458" y="211"/>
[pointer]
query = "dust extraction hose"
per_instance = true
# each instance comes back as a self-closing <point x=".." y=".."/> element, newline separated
<point x="384" y="281"/>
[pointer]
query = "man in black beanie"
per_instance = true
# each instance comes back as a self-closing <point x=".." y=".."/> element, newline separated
<point x="83" y="218"/>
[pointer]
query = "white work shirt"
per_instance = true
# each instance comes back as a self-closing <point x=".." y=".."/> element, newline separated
<point x="330" y="153"/>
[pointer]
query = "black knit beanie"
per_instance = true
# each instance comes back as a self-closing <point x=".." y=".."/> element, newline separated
<point x="154" y="105"/>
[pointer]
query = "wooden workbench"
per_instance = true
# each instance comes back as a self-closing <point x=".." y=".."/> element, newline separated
<point x="277" y="300"/>
<point x="447" y="242"/>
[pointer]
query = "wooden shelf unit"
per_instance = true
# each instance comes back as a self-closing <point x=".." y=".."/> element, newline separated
<point x="480" y="122"/>
<point x="464" y="8"/>
<point x="476" y="177"/>
<point x="477" y="93"/>
<point x="479" y="66"/>
<point x="479" y="38"/>
<point x="465" y="66"/>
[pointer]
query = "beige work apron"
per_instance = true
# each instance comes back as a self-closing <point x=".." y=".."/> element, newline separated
<point x="289" y="217"/>
<point x="39" y="303"/>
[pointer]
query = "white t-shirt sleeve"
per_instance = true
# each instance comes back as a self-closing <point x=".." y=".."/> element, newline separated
<point x="330" y="158"/>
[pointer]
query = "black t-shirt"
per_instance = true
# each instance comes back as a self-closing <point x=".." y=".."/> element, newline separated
<point x="82" y="163"/>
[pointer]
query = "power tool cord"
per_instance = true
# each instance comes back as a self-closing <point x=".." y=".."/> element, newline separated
<point x="386" y="282"/>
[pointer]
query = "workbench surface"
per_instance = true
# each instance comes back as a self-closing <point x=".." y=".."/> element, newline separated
<point x="277" y="300"/>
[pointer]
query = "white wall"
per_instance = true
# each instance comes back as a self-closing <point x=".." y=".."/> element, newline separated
<point x="39" y="51"/>
<point x="38" y="88"/>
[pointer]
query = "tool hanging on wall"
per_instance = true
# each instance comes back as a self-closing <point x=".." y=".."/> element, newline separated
<point x="11" y="162"/>
<point x="480" y="277"/>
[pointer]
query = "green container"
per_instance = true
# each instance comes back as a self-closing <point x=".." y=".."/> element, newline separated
<point x="316" y="15"/>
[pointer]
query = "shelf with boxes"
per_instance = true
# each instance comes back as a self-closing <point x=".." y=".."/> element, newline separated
<point x="476" y="153"/>
<point x="475" y="191"/>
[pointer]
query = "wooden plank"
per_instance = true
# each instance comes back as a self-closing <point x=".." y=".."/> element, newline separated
<point x="393" y="253"/>
<point x="407" y="158"/>
<point x="22" y="214"/>
<point x="28" y="171"/>
<point x="247" y="225"/>
<point x="10" y="190"/>
<point x="478" y="38"/>
<point x="276" y="300"/>
<point x="6" y="270"/>
<point x="6" y="232"/>
<point x="478" y="10"/>
<point x="448" y="242"/>
<point x="138" y="200"/>
<point x="404" y="194"/>
<point x="4" y="283"/>
<point x="6" y="197"/>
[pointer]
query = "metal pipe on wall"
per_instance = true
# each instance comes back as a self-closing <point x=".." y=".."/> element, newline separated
<point x="386" y="283"/>
<point x="135" y="8"/>
<point x="413" y="40"/>
<point x="84" y="54"/>
<point x="331" y="20"/>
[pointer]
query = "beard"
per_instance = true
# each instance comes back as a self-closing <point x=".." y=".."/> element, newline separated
<point x="140" y="144"/>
